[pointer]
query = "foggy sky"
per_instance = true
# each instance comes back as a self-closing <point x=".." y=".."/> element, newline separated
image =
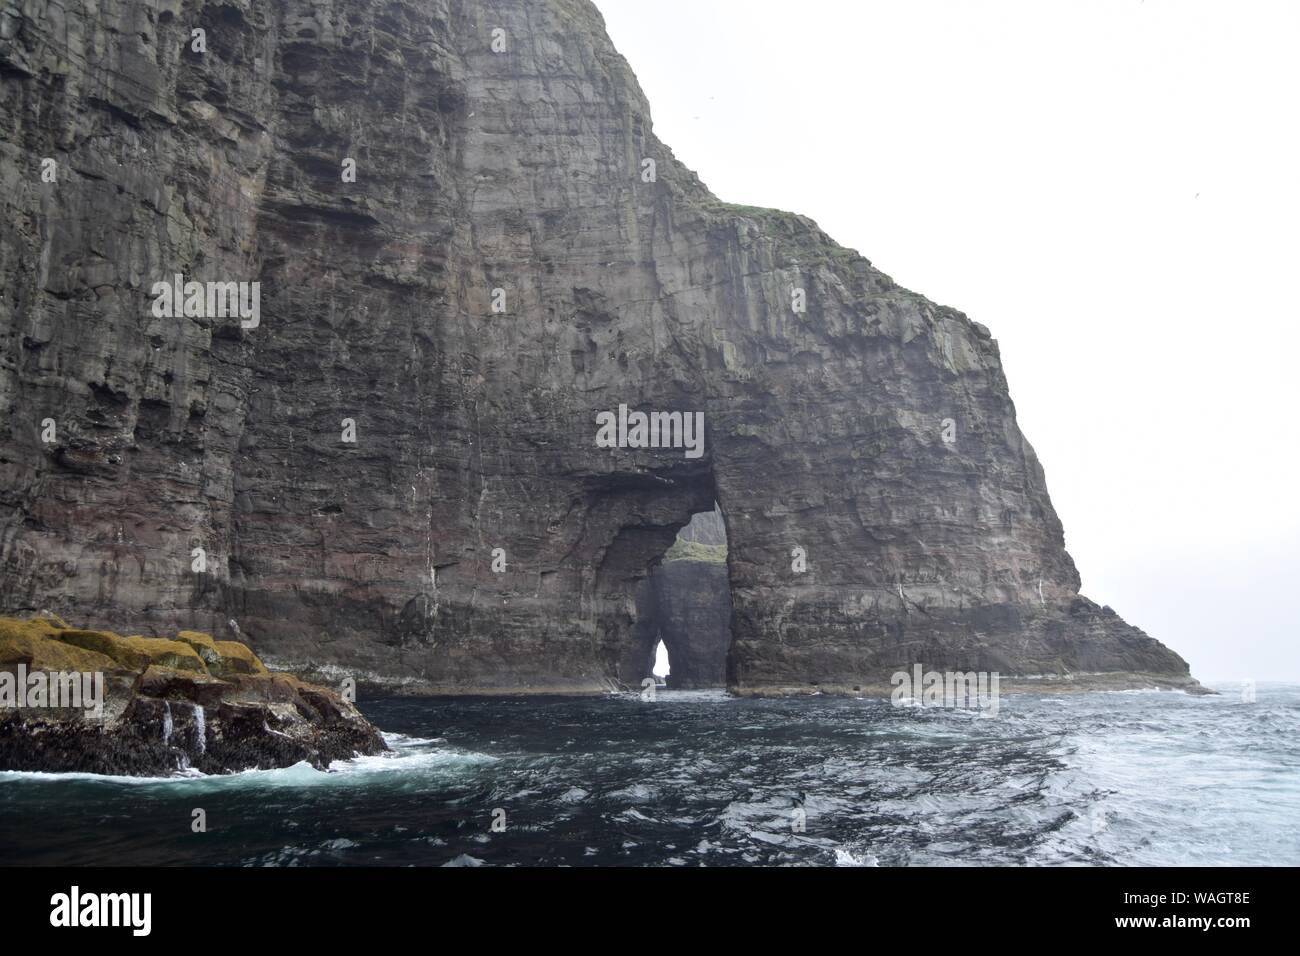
<point x="1113" y="188"/>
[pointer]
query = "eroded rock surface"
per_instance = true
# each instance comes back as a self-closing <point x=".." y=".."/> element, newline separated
<point x="476" y="171"/>
<point x="161" y="706"/>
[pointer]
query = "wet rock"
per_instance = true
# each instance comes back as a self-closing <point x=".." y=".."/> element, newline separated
<point x="157" y="719"/>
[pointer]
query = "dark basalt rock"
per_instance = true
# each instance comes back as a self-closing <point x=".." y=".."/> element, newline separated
<point x="695" y="622"/>
<point x="158" y="719"/>
<point x="687" y="605"/>
<point x="873" y="430"/>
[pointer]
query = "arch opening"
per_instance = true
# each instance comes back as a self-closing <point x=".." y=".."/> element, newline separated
<point x="662" y="666"/>
<point x="683" y="631"/>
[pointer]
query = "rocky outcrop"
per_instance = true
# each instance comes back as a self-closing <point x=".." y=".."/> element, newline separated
<point x="97" y="702"/>
<point x="394" y="471"/>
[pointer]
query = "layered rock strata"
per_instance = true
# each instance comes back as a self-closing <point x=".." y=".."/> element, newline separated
<point x="469" y="244"/>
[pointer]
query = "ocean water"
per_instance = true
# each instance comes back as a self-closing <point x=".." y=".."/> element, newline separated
<point x="698" y="778"/>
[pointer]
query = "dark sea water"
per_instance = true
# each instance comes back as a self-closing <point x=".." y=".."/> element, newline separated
<point x="697" y="778"/>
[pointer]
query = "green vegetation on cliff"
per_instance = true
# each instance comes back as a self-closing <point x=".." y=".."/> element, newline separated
<point x="48" y="643"/>
<point x="693" y="551"/>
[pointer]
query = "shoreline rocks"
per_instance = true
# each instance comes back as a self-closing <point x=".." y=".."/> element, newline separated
<point x="154" y="706"/>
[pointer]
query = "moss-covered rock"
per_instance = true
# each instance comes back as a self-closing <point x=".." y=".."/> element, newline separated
<point x="136" y="652"/>
<point x="167" y="653"/>
<point x="203" y="645"/>
<point x="35" y="643"/>
<point x="112" y="646"/>
<point x="237" y="658"/>
<point x="52" y="619"/>
<point x="223" y="658"/>
<point x="192" y="702"/>
<point x="682" y="550"/>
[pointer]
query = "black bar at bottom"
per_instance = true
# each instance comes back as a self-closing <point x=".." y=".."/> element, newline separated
<point x="558" y="906"/>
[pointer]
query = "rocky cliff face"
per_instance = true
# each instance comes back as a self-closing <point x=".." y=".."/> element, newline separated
<point x="504" y="268"/>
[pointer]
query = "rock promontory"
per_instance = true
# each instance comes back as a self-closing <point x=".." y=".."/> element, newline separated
<point x="74" y="700"/>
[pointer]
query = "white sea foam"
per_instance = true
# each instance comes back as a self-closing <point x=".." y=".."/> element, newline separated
<point x="1067" y="779"/>
<point x="845" y="858"/>
<point x="411" y="756"/>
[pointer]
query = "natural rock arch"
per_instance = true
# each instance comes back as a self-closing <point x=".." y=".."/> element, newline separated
<point x="685" y="604"/>
<point x="483" y="180"/>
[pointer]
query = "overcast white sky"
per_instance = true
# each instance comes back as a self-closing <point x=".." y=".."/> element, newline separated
<point x="1113" y="188"/>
